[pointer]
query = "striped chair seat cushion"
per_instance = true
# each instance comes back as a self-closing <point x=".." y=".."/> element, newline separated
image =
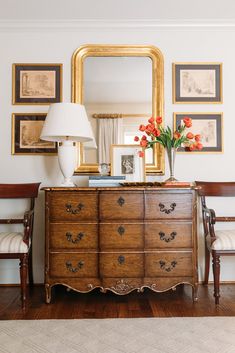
<point x="12" y="242"/>
<point x="225" y="240"/>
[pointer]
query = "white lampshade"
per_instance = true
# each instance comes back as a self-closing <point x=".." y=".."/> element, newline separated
<point x="67" y="121"/>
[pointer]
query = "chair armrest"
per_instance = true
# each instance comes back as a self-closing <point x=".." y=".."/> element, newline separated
<point x="27" y="217"/>
<point x="209" y="219"/>
<point x="28" y="225"/>
<point x="210" y="214"/>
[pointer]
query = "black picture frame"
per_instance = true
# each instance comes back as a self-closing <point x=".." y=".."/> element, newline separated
<point x="26" y="129"/>
<point x="36" y="83"/>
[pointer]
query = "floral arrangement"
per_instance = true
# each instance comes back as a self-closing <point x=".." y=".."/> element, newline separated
<point x="154" y="132"/>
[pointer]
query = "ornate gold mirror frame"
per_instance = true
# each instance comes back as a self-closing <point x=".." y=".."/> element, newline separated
<point x="79" y="56"/>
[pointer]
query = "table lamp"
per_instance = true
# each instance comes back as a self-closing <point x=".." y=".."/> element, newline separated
<point x="67" y="123"/>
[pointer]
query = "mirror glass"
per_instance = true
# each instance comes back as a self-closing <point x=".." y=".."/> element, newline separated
<point x="117" y="85"/>
<point x="121" y="87"/>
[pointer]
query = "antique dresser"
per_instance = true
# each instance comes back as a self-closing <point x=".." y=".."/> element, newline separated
<point x="121" y="238"/>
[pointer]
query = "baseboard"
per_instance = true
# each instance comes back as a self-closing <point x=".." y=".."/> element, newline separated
<point x="221" y="282"/>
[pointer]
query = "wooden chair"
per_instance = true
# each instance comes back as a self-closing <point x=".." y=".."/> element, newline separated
<point x="18" y="245"/>
<point x="217" y="242"/>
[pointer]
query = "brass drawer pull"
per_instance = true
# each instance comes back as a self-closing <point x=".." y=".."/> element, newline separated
<point x="169" y="238"/>
<point x="78" y="238"/>
<point x="121" y="230"/>
<point x="167" y="210"/>
<point x="121" y="201"/>
<point x="74" y="269"/>
<point x="167" y="267"/>
<point x="69" y="208"/>
<point x="121" y="259"/>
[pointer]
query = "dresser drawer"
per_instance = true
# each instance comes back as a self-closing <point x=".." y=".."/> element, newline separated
<point x="73" y="236"/>
<point x="121" y="205"/>
<point x="73" y="265"/>
<point x="121" y="236"/>
<point x="168" y="206"/>
<point x="121" y="265"/>
<point x="167" y="264"/>
<point x="73" y="206"/>
<point x="168" y="235"/>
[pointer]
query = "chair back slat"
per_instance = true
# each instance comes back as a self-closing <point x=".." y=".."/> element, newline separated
<point x="215" y="188"/>
<point x="15" y="191"/>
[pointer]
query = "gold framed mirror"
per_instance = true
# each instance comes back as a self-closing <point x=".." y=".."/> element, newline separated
<point x="118" y="83"/>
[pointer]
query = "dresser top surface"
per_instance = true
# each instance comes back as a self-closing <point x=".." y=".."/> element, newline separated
<point x="121" y="188"/>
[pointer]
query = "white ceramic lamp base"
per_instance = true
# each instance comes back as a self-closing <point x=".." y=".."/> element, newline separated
<point x="67" y="161"/>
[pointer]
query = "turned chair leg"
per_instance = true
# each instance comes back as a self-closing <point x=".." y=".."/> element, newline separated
<point x="216" y="271"/>
<point x="30" y="268"/>
<point x="23" y="278"/>
<point x="207" y="265"/>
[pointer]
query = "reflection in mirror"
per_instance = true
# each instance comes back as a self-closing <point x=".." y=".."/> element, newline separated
<point x="121" y="87"/>
<point x="111" y="85"/>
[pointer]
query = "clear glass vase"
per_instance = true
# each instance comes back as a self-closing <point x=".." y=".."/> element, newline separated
<point x="171" y="154"/>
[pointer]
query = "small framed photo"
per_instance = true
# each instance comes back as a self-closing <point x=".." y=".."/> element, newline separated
<point x="125" y="161"/>
<point x="36" y="83"/>
<point x="208" y="125"/>
<point x="197" y="83"/>
<point x="26" y="131"/>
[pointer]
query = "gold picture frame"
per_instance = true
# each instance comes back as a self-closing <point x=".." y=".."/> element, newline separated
<point x="36" y="83"/>
<point x="26" y="130"/>
<point x="197" y="83"/>
<point x="208" y="125"/>
<point x="125" y="161"/>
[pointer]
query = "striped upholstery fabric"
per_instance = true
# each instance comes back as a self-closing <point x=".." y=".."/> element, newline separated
<point x="225" y="240"/>
<point x="12" y="242"/>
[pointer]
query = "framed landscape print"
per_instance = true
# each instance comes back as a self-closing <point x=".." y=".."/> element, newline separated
<point x="125" y="161"/>
<point x="26" y="131"/>
<point x="208" y="125"/>
<point x="36" y="83"/>
<point x="197" y="83"/>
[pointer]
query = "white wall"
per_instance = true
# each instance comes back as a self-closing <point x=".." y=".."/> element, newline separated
<point x="56" y="45"/>
<point x="113" y="9"/>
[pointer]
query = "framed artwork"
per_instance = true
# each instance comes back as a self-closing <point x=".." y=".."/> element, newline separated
<point x="125" y="161"/>
<point x="208" y="125"/>
<point x="36" y="83"/>
<point x="197" y="83"/>
<point x="26" y="131"/>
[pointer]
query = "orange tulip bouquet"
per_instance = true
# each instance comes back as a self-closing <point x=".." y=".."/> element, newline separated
<point x="154" y="132"/>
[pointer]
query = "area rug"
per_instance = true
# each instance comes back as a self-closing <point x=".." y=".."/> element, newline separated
<point x="150" y="335"/>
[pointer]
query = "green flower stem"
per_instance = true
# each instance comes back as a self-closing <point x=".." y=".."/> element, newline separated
<point x="166" y="138"/>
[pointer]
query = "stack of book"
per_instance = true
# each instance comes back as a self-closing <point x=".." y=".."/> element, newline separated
<point x="107" y="181"/>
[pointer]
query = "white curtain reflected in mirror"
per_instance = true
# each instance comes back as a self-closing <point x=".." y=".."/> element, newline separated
<point x="109" y="133"/>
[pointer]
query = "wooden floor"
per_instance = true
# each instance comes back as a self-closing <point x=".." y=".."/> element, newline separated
<point x="73" y="305"/>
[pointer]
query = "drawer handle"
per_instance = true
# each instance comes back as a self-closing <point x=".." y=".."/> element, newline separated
<point x="121" y="201"/>
<point x="167" y="267"/>
<point x="70" y="209"/>
<point x="77" y="239"/>
<point x="121" y="230"/>
<point x="165" y="210"/>
<point x="74" y="269"/>
<point x="169" y="238"/>
<point x="121" y="259"/>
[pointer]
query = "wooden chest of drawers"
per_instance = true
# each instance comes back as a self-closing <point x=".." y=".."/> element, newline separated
<point x="120" y="239"/>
